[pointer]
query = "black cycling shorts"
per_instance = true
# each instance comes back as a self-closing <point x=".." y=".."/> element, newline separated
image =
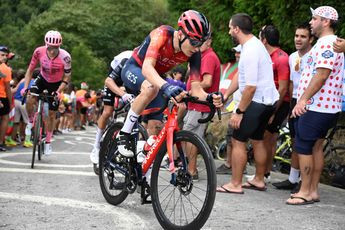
<point x="279" y="118"/>
<point x="41" y="84"/>
<point x="254" y="122"/>
<point x="108" y="97"/>
<point x="5" y="108"/>
<point x="292" y="120"/>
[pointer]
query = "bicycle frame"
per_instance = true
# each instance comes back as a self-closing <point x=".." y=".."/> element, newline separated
<point x="167" y="133"/>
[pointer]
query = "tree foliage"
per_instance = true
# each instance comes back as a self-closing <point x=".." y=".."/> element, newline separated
<point x="95" y="31"/>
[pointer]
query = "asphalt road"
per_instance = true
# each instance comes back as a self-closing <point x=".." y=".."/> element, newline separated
<point x="62" y="192"/>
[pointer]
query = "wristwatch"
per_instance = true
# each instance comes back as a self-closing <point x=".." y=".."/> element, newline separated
<point x="238" y="111"/>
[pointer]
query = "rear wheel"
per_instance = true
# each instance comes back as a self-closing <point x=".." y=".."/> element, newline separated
<point x="179" y="202"/>
<point x="111" y="180"/>
<point x="36" y="135"/>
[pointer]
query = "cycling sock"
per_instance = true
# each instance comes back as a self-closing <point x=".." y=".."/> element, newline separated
<point x="49" y="137"/>
<point x="99" y="133"/>
<point x="28" y="129"/>
<point x="294" y="175"/>
<point x="131" y="118"/>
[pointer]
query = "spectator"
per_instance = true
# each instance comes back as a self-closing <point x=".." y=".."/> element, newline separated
<point x="297" y="61"/>
<point x="225" y="168"/>
<point x="5" y="93"/>
<point x="21" y="113"/>
<point x="178" y="74"/>
<point x="209" y="81"/>
<point x="258" y="96"/>
<point x="269" y="36"/>
<point x="318" y="103"/>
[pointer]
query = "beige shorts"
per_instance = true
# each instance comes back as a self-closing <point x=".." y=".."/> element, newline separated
<point x="191" y="122"/>
<point x="20" y="111"/>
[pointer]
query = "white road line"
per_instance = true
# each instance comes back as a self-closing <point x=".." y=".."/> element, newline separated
<point x="49" y="165"/>
<point x="44" y="171"/>
<point x="126" y="217"/>
<point x="69" y="142"/>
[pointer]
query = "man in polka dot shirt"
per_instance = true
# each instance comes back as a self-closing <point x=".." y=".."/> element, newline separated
<point x="318" y="103"/>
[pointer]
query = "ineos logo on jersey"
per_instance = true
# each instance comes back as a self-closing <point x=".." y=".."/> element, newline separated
<point x="131" y="77"/>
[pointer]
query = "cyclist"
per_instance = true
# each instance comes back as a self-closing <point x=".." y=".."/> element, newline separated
<point x="55" y="73"/>
<point x="111" y="89"/>
<point x="161" y="50"/>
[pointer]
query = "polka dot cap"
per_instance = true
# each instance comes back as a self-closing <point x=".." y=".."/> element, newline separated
<point x="326" y="12"/>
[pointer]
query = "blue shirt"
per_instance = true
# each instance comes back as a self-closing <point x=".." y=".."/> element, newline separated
<point x="17" y="95"/>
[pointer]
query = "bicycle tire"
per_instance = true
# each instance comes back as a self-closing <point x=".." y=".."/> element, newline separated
<point x="191" y="192"/>
<point x="108" y="142"/>
<point x="36" y="138"/>
<point x="221" y="153"/>
<point x="332" y="157"/>
<point x="39" y="152"/>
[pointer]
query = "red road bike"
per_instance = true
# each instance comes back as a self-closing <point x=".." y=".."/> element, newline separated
<point x="177" y="200"/>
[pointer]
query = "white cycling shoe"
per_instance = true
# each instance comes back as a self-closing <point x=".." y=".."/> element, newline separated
<point x="48" y="150"/>
<point x="94" y="155"/>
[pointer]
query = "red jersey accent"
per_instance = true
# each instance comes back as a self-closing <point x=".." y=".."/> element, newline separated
<point x="210" y="64"/>
<point x="281" y="69"/>
<point x="159" y="45"/>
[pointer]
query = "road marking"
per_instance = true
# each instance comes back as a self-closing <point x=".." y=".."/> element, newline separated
<point x="69" y="142"/>
<point x="126" y="217"/>
<point x="44" y="171"/>
<point x="49" y="165"/>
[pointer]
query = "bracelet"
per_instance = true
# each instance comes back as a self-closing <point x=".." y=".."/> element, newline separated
<point x="66" y="82"/>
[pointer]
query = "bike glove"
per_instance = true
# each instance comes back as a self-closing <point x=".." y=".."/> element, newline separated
<point x="171" y="90"/>
<point x="127" y="98"/>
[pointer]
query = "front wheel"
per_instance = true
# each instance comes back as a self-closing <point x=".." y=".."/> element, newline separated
<point x="36" y="135"/>
<point x="179" y="202"/>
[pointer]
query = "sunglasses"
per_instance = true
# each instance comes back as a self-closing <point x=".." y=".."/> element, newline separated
<point x="193" y="42"/>
<point x="51" y="48"/>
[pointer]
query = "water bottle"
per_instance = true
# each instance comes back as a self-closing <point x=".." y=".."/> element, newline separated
<point x="140" y="151"/>
<point x="149" y="143"/>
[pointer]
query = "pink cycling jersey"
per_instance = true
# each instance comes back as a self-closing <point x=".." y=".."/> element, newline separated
<point x="54" y="69"/>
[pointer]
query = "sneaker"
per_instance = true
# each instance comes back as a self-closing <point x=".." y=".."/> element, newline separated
<point x="124" y="144"/>
<point x="267" y="178"/>
<point x="223" y="169"/>
<point x="94" y="155"/>
<point x="10" y="142"/>
<point x="28" y="144"/>
<point x="285" y="185"/>
<point x="296" y="188"/>
<point x="2" y="148"/>
<point x="48" y="150"/>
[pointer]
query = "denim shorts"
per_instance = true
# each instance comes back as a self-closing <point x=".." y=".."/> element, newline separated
<point x="310" y="127"/>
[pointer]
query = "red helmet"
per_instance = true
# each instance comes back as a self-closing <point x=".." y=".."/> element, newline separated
<point x="53" y="38"/>
<point x="195" y="25"/>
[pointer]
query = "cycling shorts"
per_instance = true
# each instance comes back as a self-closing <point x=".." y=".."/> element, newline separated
<point x="254" y="122"/>
<point x="280" y="116"/>
<point x="41" y="84"/>
<point x="132" y="78"/>
<point x="310" y="127"/>
<point x="108" y="97"/>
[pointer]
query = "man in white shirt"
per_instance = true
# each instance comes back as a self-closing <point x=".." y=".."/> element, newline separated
<point x="259" y="95"/>
<point x="297" y="60"/>
<point x="318" y="103"/>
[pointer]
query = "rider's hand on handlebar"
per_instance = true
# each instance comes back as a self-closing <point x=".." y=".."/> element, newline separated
<point x="173" y="91"/>
<point x="127" y="98"/>
<point x="23" y="91"/>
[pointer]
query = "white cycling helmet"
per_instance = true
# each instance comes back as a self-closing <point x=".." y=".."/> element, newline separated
<point x="53" y="38"/>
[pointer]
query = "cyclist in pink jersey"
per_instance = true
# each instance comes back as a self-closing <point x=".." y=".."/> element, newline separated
<point x="55" y="74"/>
